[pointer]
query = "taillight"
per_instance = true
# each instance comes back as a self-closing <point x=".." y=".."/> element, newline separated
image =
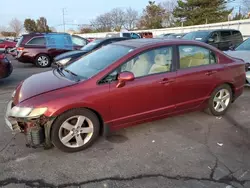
<point x="20" y="48"/>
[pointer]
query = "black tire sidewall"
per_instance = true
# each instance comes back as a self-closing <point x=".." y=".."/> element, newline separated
<point x="211" y="102"/>
<point x="38" y="65"/>
<point x="58" y="122"/>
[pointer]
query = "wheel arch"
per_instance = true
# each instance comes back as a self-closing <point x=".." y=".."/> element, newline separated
<point x="99" y="116"/>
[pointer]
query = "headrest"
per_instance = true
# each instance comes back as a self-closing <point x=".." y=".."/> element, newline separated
<point x="199" y="56"/>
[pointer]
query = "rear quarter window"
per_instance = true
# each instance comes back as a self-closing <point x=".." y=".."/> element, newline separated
<point x="37" y="41"/>
<point x="226" y="35"/>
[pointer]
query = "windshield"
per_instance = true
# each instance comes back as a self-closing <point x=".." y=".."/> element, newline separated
<point x="244" y="46"/>
<point x="196" y="35"/>
<point x="93" y="63"/>
<point x="90" y="46"/>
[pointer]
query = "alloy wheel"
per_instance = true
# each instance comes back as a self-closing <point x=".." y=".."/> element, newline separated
<point x="221" y="100"/>
<point x="76" y="131"/>
<point x="43" y="61"/>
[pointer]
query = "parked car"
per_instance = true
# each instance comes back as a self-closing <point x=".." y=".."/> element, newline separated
<point x="146" y="34"/>
<point x="223" y="39"/>
<point x="41" y="48"/>
<point x="175" y="36"/>
<point x="5" y="65"/>
<point x="120" y="85"/>
<point x="164" y="35"/>
<point x="243" y="52"/>
<point x="69" y="57"/>
<point x="124" y="34"/>
<point x="7" y="45"/>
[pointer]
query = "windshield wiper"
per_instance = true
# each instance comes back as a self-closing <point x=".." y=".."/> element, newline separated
<point x="68" y="71"/>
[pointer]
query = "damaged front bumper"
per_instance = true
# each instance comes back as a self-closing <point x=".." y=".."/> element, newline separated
<point x="36" y="129"/>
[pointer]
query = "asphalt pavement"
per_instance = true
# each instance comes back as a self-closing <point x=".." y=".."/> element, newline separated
<point x="194" y="150"/>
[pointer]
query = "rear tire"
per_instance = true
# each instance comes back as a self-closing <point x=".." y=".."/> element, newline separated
<point x="75" y="130"/>
<point x="220" y="100"/>
<point x="43" y="61"/>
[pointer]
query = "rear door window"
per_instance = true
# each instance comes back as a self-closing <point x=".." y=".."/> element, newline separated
<point x="37" y="41"/>
<point x="225" y="35"/>
<point x="78" y="41"/>
<point x="195" y="56"/>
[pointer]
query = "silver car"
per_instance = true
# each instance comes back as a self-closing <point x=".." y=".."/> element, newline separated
<point x="243" y="52"/>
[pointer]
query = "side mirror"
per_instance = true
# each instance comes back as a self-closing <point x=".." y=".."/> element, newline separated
<point x="210" y="40"/>
<point x="124" y="77"/>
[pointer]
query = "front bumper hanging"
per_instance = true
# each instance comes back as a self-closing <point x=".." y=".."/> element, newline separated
<point x="36" y="130"/>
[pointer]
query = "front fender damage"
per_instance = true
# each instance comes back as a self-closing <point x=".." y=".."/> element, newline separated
<point x="37" y="131"/>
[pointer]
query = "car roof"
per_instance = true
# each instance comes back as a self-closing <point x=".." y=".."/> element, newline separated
<point x="42" y="34"/>
<point x="210" y="31"/>
<point x="140" y="43"/>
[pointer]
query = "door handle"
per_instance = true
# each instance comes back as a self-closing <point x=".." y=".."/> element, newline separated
<point x="166" y="81"/>
<point x="210" y="73"/>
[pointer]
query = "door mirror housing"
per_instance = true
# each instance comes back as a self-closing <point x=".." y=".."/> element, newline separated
<point x="210" y="40"/>
<point x="124" y="77"/>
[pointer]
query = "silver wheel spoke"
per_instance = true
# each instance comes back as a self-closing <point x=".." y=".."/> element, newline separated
<point x="227" y="96"/>
<point x="216" y="99"/>
<point x="86" y="130"/>
<point x="67" y="126"/>
<point x="67" y="138"/>
<point x="223" y="105"/>
<point x="79" y="140"/>
<point x="217" y="107"/>
<point x="221" y="94"/>
<point x="80" y="121"/>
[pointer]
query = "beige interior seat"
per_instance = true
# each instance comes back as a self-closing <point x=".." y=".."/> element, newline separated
<point x="198" y="59"/>
<point x="162" y="64"/>
<point x="141" y="66"/>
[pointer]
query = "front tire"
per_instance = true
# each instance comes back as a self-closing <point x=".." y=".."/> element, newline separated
<point x="220" y="100"/>
<point x="75" y="130"/>
<point x="43" y="61"/>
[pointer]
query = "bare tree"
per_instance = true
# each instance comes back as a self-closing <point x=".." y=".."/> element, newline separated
<point x="169" y="6"/>
<point x="245" y="6"/>
<point x="118" y="18"/>
<point x="16" y="26"/>
<point x="102" y="23"/>
<point x="132" y="18"/>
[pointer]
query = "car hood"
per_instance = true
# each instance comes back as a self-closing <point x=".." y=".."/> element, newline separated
<point x="245" y="55"/>
<point x="40" y="83"/>
<point x="69" y="54"/>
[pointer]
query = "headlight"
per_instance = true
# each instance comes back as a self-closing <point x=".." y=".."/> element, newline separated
<point x="13" y="94"/>
<point x="64" y="61"/>
<point x="27" y="112"/>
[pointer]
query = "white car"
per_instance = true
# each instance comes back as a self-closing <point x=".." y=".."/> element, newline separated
<point x="242" y="52"/>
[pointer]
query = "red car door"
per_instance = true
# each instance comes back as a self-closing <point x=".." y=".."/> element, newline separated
<point x="197" y="76"/>
<point x="150" y="94"/>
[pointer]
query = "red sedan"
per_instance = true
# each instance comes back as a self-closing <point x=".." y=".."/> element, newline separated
<point x="120" y="85"/>
<point x="7" y="45"/>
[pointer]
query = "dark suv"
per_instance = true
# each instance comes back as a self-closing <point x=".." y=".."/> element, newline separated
<point x="223" y="39"/>
<point x="41" y="48"/>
